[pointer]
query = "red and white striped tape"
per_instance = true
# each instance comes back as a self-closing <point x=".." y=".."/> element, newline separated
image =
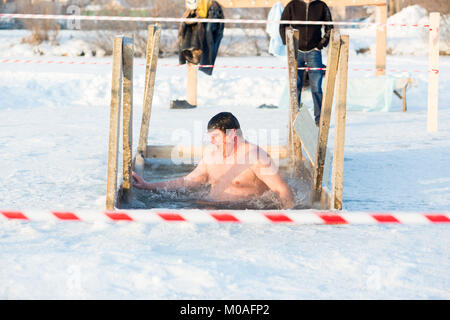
<point x="162" y="19"/>
<point x="168" y="65"/>
<point x="300" y="217"/>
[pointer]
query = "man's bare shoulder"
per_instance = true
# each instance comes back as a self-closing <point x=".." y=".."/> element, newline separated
<point x="263" y="165"/>
<point x="259" y="155"/>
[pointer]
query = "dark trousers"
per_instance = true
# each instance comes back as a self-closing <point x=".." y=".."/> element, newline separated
<point x="311" y="59"/>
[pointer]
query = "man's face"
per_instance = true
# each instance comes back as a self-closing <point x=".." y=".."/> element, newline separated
<point x="217" y="138"/>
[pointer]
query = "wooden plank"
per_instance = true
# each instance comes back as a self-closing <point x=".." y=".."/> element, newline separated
<point x="327" y="102"/>
<point x="114" y="124"/>
<point x="292" y="79"/>
<point x="294" y="143"/>
<point x="297" y="145"/>
<point x="306" y="129"/>
<point x="148" y="56"/>
<point x="337" y="178"/>
<point x="128" y="53"/>
<point x="152" y="63"/>
<point x="325" y="200"/>
<point x="270" y="3"/>
<point x="191" y="84"/>
<point x="188" y="152"/>
<point x="433" y="78"/>
<point x="381" y="17"/>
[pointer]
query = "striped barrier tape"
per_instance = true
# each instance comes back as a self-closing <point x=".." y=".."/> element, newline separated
<point x="296" y="217"/>
<point x="167" y="65"/>
<point x="237" y="21"/>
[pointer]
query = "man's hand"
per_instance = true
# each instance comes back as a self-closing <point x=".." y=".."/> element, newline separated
<point x="288" y="202"/>
<point x="168" y="185"/>
<point x="139" y="181"/>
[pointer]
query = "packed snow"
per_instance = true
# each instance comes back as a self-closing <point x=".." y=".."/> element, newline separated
<point x="53" y="154"/>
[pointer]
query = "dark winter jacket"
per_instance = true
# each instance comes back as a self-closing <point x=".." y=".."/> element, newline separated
<point x="199" y="42"/>
<point x="190" y="37"/>
<point x="310" y="36"/>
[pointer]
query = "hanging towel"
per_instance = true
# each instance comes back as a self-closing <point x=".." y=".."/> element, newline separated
<point x="276" y="46"/>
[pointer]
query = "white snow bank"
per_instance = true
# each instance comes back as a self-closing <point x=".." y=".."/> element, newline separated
<point x="75" y="43"/>
<point x="403" y="40"/>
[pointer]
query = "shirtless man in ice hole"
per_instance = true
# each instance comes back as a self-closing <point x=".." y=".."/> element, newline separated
<point x="235" y="169"/>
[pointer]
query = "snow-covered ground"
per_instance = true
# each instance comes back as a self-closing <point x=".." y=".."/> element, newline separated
<point x="54" y="122"/>
<point x="53" y="143"/>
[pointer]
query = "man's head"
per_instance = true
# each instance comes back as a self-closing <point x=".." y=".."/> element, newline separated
<point x="223" y="128"/>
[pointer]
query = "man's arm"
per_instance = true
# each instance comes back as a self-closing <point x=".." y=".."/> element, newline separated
<point x="326" y="37"/>
<point x="266" y="170"/>
<point x="194" y="179"/>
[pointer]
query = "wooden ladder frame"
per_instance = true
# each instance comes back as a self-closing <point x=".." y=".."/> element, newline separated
<point x="122" y="95"/>
<point x="315" y="141"/>
<point x="122" y="91"/>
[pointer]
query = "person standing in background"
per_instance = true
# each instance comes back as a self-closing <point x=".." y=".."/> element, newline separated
<point x="311" y="42"/>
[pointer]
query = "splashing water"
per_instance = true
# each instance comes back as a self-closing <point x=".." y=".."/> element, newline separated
<point x="199" y="198"/>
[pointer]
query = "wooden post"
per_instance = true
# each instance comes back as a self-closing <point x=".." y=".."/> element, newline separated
<point x="337" y="178"/>
<point x="148" y="56"/>
<point x="114" y="124"/>
<point x="381" y="17"/>
<point x="327" y="103"/>
<point x="154" y="34"/>
<point x="433" y="78"/>
<point x="297" y="145"/>
<point x="295" y="150"/>
<point x="152" y="63"/>
<point x="191" y="84"/>
<point x="128" y="53"/>
<point x="139" y="161"/>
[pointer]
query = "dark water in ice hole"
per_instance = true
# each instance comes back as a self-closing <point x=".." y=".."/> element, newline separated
<point x="159" y="170"/>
